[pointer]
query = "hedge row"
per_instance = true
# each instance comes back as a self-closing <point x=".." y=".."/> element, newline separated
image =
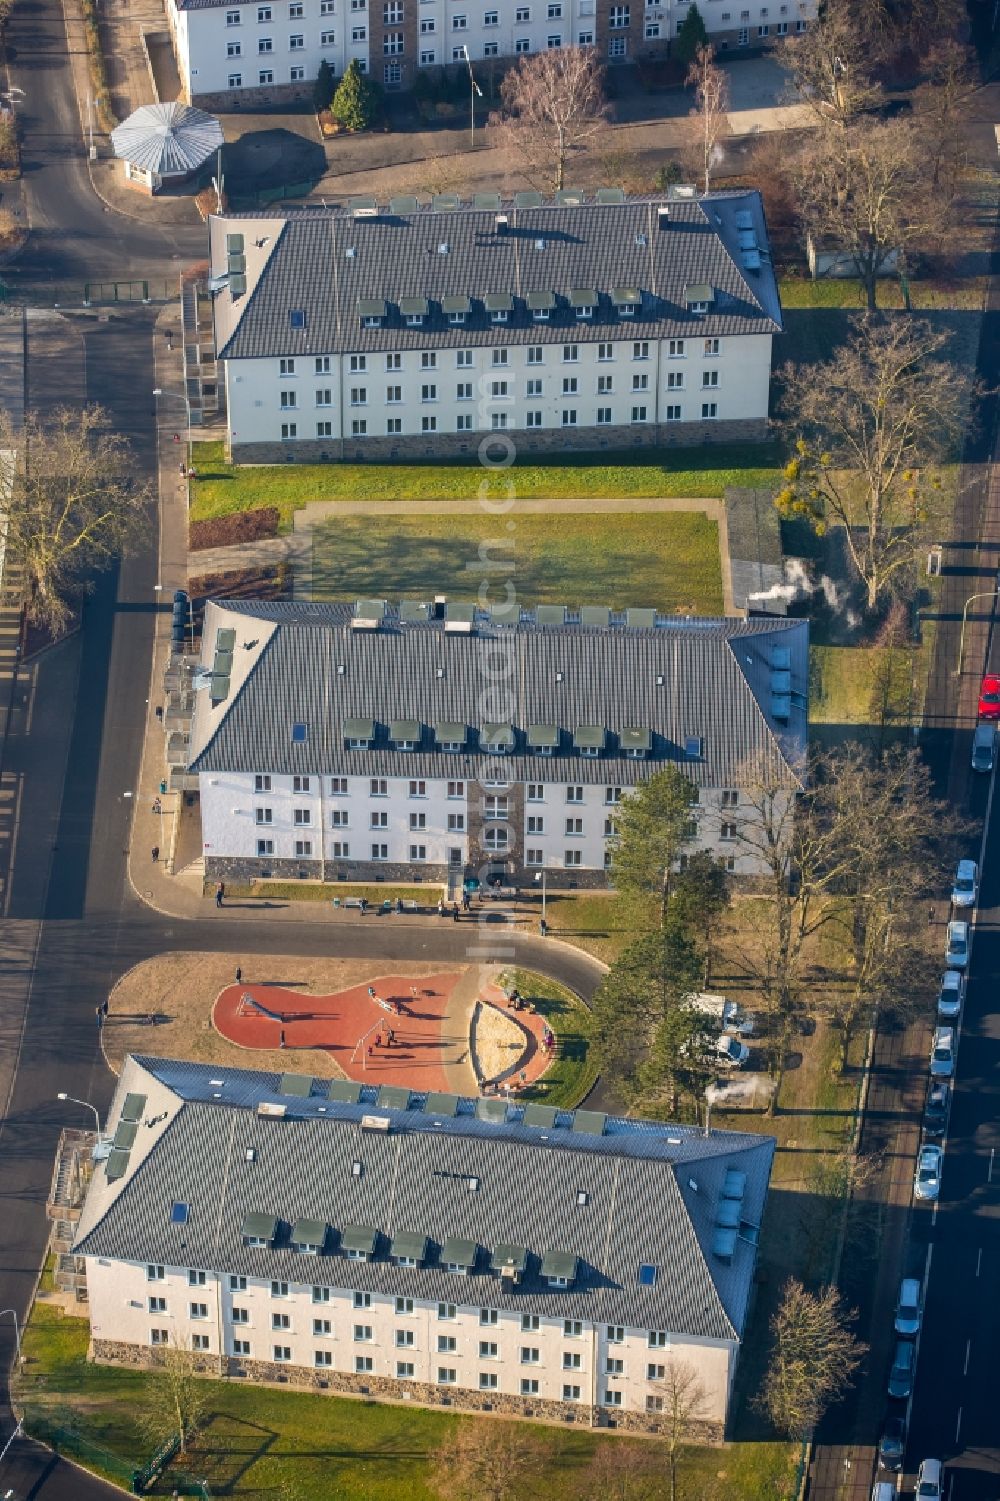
<point x="98" y="70"/>
<point x="239" y="526"/>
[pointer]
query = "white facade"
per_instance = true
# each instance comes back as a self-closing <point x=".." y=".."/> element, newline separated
<point x="359" y="820"/>
<point x="499" y="388"/>
<point x="230" y="48"/>
<point x="366" y="1334"/>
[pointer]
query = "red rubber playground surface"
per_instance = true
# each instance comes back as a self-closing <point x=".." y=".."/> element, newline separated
<point x="347" y="1023"/>
<point x="336" y="1023"/>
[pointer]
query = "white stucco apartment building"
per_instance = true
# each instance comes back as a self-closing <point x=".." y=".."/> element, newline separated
<point x="444" y="741"/>
<point x="391" y="330"/>
<point x="234" y="55"/>
<point x="470" y="1253"/>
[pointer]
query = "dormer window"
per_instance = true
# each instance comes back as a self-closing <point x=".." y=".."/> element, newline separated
<point x="259" y="1230"/>
<point x="496" y="739"/>
<point x="371" y="311"/>
<point x="636" y="743"/>
<point x="559" y="1268"/>
<point x="405" y="734"/>
<point x="450" y="736"/>
<point x="543" y="739"/>
<point x="308" y="1237"/>
<point x="540" y="305"/>
<point x="589" y="740"/>
<point x="499" y="305"/>
<point x="456" y="318"/>
<point x="359" y="733"/>
<point x="699" y="297"/>
<point x="413" y="311"/>
<point x="455" y="309"/>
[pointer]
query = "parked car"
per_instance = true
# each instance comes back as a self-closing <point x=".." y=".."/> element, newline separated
<point x="951" y="994"/>
<point x="936" y="1108"/>
<point x="901" y="1375"/>
<point x="728" y="1013"/>
<point x="966" y="887"/>
<point x="956" y="948"/>
<point x="892" y="1444"/>
<point x="943" y="1053"/>
<point x="927" y="1178"/>
<point x="989" y="697"/>
<point x="731" y="1051"/>
<point x="984" y="747"/>
<point x="930" y="1480"/>
<point x="908" y="1308"/>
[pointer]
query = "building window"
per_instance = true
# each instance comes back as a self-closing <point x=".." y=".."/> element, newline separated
<point x="574" y="826"/>
<point x="617" y="46"/>
<point x="709" y="409"/>
<point x="198" y="1310"/>
<point x="265" y="44"/>
<point x="296" y="42"/>
<point x="572" y="857"/>
<point x="233" y="18"/>
<point x="709" y="380"/>
<point x="522" y="45"/>
<point x="639" y="414"/>
<point x="447" y="1376"/>
<point x="570" y="354"/>
<point x="570" y="1393"/>
<point x="359" y="427"/>
<point x="235" y="80"/>
<point x="233" y="49"/>
<point x="265" y="846"/>
<point x="324" y="429"/>
<point x="159" y="1336"/>
<point x="569" y="417"/>
<point x="530" y="1355"/>
<point x="488" y="1381"/>
<point x="618" y="17"/>
<point x="428" y="424"/>
<point x="574" y="794"/>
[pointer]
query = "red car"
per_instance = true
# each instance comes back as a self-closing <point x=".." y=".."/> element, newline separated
<point x="989" y="697"/>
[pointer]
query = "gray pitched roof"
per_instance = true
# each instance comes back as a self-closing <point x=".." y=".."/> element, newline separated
<point x="677" y="678"/>
<point x="653" y="1196"/>
<point x="326" y="263"/>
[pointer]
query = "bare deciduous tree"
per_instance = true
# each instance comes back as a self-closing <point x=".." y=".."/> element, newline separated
<point x="625" y="1470"/>
<point x="553" y="102"/>
<point x="710" y="117"/>
<point x="831" y="63"/>
<point x="71" y="504"/>
<point x="864" y="192"/>
<point x="940" y="110"/>
<point x="180" y="1395"/>
<point x="813" y="1359"/>
<point x="871" y="422"/>
<point x="685" y="1412"/>
<point x="486" y="1461"/>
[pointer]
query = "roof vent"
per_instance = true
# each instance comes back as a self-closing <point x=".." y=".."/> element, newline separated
<point x="640" y="240"/>
<point x="364" y="208"/>
<point x="502" y="224"/>
<point x="350" y="252"/>
<point x="540" y="244"/>
<point x="266" y="1107"/>
<point x="376" y="1123"/>
<point x="443" y="247"/>
<point x="663" y="215"/>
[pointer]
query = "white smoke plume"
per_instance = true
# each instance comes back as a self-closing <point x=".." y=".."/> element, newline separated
<point x="798" y="586"/>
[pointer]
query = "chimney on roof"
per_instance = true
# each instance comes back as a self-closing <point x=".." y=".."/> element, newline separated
<point x="440" y="600"/>
<point x="663" y="216"/>
<point x="502" y="223"/>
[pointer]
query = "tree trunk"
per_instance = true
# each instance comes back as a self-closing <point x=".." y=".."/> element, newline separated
<point x="561" y="158"/>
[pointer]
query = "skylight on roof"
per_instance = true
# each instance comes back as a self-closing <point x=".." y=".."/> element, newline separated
<point x="647" y="1275"/>
<point x="300" y="733"/>
<point x="179" y="1213"/>
<point x="296" y="317"/>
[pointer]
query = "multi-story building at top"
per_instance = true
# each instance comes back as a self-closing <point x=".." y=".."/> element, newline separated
<point x="395" y="331"/>
<point x="390" y="1244"/>
<point x="234" y="55"/>
<point x="377" y="742"/>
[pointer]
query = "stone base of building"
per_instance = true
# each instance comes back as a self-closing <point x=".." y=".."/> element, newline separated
<point x="240" y="869"/>
<point x="257" y="100"/>
<point x="386" y="1389"/>
<point x="500" y="448"/>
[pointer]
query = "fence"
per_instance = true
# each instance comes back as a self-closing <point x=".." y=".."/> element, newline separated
<point x="89" y="293"/>
<point x="73" y="1445"/>
<point x="264" y="197"/>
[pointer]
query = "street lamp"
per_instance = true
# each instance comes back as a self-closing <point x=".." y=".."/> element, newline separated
<point x="475" y="89"/>
<point x="985" y="594"/>
<point x="540" y="876"/>
<point x="179" y="396"/>
<point x="87" y="1106"/>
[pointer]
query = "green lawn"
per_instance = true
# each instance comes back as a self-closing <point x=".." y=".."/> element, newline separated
<point x="840" y="684"/>
<point x="847" y="292"/>
<point x="601" y="925"/>
<point x="685" y="472"/>
<point x="273" y="1445"/>
<point x="328" y="891"/>
<point x="573" y="1073"/>
<point x="668" y="560"/>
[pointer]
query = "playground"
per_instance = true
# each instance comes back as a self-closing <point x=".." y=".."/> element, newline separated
<point x="454" y="1030"/>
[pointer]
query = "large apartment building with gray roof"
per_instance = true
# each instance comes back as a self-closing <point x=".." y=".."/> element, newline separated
<point x="442" y="741"/>
<point x="384" y="1243"/>
<point x="496" y="327"/>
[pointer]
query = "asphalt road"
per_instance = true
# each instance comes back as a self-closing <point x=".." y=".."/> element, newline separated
<point x="74" y="237"/>
<point x="954" y="1414"/>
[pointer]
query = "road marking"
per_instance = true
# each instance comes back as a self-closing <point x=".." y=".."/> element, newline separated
<point x="934" y="1213"/>
<point x="958" y="1425"/>
<point x="989" y="1175"/>
<point x="968" y="1347"/>
<point x="979" y="1260"/>
<point x="916" y="1343"/>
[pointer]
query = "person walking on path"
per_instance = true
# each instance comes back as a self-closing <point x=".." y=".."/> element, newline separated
<point x="281" y="1038"/>
<point x="105" y="1008"/>
<point x="100" y="1017"/>
<point x="239" y="975"/>
<point x="155" y="852"/>
<point x="220" y="892"/>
